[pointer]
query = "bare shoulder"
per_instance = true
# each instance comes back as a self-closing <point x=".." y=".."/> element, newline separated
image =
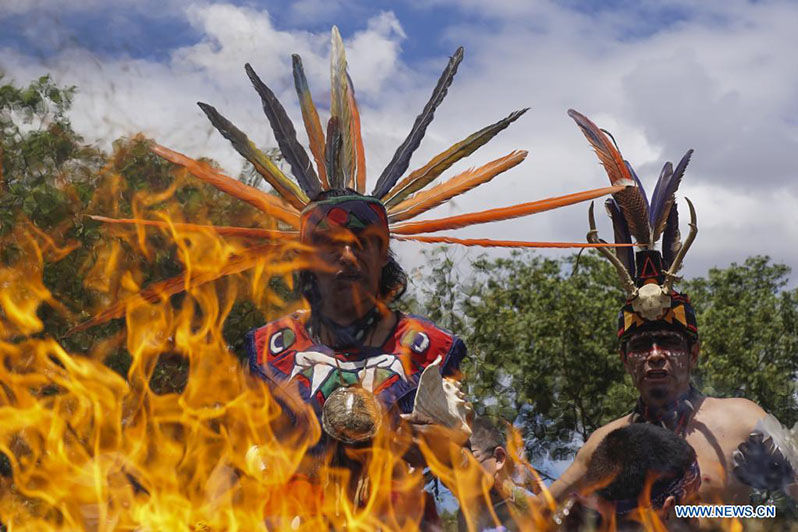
<point x="732" y="412"/>
<point x="734" y="406"/>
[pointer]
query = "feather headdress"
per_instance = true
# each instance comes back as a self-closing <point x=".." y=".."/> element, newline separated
<point x="340" y="164"/>
<point x="648" y="284"/>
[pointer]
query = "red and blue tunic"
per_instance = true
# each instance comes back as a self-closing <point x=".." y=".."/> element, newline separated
<point x="283" y="351"/>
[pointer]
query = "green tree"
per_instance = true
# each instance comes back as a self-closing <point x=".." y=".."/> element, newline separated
<point x="748" y="324"/>
<point x="441" y="290"/>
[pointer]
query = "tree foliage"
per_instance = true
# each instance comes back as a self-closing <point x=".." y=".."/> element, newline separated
<point x="748" y="323"/>
<point x="541" y="340"/>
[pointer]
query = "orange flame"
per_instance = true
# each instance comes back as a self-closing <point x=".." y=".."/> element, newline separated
<point x="92" y="450"/>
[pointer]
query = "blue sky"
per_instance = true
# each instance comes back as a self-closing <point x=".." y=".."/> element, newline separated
<point x="663" y="76"/>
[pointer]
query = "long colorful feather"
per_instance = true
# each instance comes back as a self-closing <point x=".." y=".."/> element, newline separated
<point x="332" y="152"/>
<point x="656" y="198"/>
<point x="267" y="203"/>
<point x="285" y="134"/>
<point x="503" y="213"/>
<point x="339" y="105"/>
<point x="224" y="230"/>
<point x="634" y="205"/>
<point x="401" y="159"/>
<point x="665" y="196"/>
<point x="622" y="235"/>
<point x="607" y="153"/>
<point x="357" y="140"/>
<point x="640" y="187"/>
<point x="631" y="200"/>
<point x="471" y="178"/>
<point x="311" y="119"/>
<point x="262" y="163"/>
<point x="420" y="178"/>
<point x="488" y="243"/>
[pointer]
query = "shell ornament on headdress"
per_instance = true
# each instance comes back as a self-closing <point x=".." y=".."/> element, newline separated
<point x="648" y="285"/>
<point x="340" y="165"/>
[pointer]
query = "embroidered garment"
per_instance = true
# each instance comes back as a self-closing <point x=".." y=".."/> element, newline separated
<point x="283" y="351"/>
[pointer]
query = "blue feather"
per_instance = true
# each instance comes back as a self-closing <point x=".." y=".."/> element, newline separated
<point x="666" y="196"/>
<point x="657" y="198"/>
<point x="401" y="159"/>
<point x="622" y="235"/>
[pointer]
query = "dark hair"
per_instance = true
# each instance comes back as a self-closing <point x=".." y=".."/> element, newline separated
<point x="485" y="435"/>
<point x="393" y="279"/>
<point x="630" y="455"/>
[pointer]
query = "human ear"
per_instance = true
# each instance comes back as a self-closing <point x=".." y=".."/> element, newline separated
<point x="501" y="457"/>
<point x="667" y="507"/>
<point x="694" y="351"/>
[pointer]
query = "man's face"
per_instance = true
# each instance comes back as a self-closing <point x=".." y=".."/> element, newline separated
<point x="349" y="268"/>
<point x="659" y="363"/>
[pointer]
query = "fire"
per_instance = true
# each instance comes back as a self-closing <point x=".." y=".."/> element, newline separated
<point x="91" y="449"/>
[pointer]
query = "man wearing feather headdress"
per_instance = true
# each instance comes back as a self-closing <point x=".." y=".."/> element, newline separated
<point x="659" y="346"/>
<point x="349" y="337"/>
<point x="349" y="356"/>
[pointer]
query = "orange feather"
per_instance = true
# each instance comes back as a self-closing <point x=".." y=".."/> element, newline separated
<point x="357" y="138"/>
<point x="502" y="213"/>
<point x="471" y="178"/>
<point x="607" y="153"/>
<point x="421" y="177"/>
<point x="485" y="242"/>
<point x="311" y="119"/>
<point x="260" y="200"/>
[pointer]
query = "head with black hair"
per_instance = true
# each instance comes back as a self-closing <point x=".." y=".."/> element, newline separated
<point x="354" y="268"/>
<point x="643" y="456"/>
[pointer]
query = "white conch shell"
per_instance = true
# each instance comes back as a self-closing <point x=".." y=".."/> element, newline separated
<point x="441" y="400"/>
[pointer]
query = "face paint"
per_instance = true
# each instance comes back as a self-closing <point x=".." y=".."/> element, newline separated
<point x="659" y="364"/>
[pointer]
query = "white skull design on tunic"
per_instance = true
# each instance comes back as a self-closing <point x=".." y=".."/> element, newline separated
<point x="369" y="372"/>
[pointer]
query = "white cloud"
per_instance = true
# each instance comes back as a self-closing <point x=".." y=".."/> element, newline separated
<point x="234" y="35"/>
<point x="124" y="96"/>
